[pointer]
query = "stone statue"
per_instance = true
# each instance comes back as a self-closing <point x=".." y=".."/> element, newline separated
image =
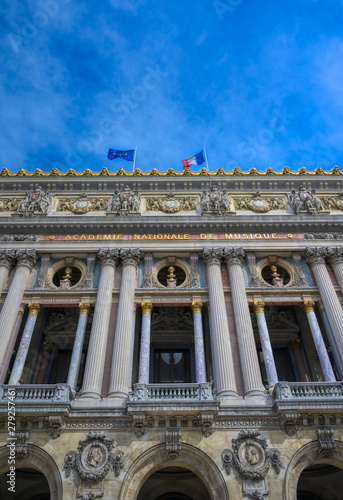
<point x="304" y="201"/>
<point x="215" y="202"/>
<point x="125" y="202"/>
<point x="36" y="203"/>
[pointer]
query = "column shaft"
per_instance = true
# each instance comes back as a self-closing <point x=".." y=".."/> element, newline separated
<point x="6" y="262"/>
<point x="222" y="354"/>
<point x="24" y="345"/>
<point x="332" y="342"/>
<point x="267" y="350"/>
<point x="144" y="357"/>
<point x="199" y="351"/>
<point x="94" y="371"/>
<point x="10" y="347"/>
<point x="78" y="346"/>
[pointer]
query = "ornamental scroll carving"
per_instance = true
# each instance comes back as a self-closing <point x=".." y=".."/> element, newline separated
<point x="304" y="201"/>
<point x="259" y="204"/>
<point x="125" y="202"/>
<point x="35" y="203"/>
<point x="94" y="457"/>
<point x="82" y="204"/>
<point x="333" y="202"/>
<point x="171" y="204"/>
<point x="215" y="202"/>
<point x="9" y="204"/>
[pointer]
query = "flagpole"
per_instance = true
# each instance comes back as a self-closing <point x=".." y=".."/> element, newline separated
<point x="134" y="159"/>
<point x="205" y="157"/>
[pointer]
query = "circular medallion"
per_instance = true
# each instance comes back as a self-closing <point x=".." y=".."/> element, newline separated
<point x="81" y="207"/>
<point x="341" y="202"/>
<point x="259" y="204"/>
<point x="171" y="206"/>
<point x="82" y="204"/>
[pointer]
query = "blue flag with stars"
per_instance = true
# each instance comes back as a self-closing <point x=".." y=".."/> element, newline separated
<point x="127" y="154"/>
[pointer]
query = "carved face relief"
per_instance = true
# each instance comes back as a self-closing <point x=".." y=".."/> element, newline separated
<point x="94" y="456"/>
<point x="251" y="455"/>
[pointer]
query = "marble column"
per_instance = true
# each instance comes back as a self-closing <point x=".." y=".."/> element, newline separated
<point x="7" y="258"/>
<point x="331" y="339"/>
<point x="94" y="370"/>
<point x="222" y="353"/>
<point x="123" y="338"/>
<point x="26" y="259"/>
<point x="10" y="347"/>
<point x="267" y="350"/>
<point x="45" y="362"/>
<point x="251" y="372"/>
<point x="199" y="351"/>
<point x="144" y="357"/>
<point x="299" y="360"/>
<point x="316" y="258"/>
<point x="24" y="345"/>
<point x="76" y="356"/>
<point x="336" y="262"/>
<point x="323" y="356"/>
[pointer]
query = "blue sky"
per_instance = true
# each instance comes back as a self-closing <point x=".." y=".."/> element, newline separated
<point x="259" y="82"/>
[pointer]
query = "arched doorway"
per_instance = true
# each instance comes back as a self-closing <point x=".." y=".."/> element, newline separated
<point x="30" y="484"/>
<point x="173" y="483"/>
<point x="320" y="482"/>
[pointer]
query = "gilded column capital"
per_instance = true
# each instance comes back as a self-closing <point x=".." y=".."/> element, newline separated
<point x="212" y="255"/>
<point x="308" y="305"/>
<point x="295" y="343"/>
<point x="34" y="308"/>
<point x="7" y="258"/>
<point x="47" y="346"/>
<point x="259" y="306"/>
<point x="26" y="258"/>
<point x="197" y="307"/>
<point x="84" y="307"/>
<point x="146" y="307"/>
<point x="108" y="256"/>
<point x="233" y="256"/>
<point x="315" y="255"/>
<point x="335" y="255"/>
<point x="130" y="256"/>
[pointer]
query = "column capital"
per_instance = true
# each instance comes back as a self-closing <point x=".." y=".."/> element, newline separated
<point x="308" y="305"/>
<point x="108" y="256"/>
<point x="295" y="343"/>
<point x="212" y="255"/>
<point x="84" y="307"/>
<point x="234" y="256"/>
<point x="259" y="306"/>
<point x="197" y="307"/>
<point x="315" y="255"/>
<point x="48" y="346"/>
<point x="146" y="307"/>
<point x="34" y="308"/>
<point x="7" y="258"/>
<point x="130" y="256"/>
<point x="335" y="255"/>
<point x="26" y="258"/>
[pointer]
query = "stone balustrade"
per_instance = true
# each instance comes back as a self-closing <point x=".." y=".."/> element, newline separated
<point x="37" y="394"/>
<point x="165" y="392"/>
<point x="285" y="391"/>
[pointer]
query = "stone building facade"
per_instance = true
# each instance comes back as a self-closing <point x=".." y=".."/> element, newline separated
<point x="171" y="335"/>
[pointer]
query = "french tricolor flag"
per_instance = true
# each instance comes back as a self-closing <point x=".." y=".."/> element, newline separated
<point x="194" y="160"/>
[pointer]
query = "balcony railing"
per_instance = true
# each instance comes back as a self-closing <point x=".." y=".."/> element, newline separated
<point x="289" y="391"/>
<point x="57" y="393"/>
<point x="173" y="392"/>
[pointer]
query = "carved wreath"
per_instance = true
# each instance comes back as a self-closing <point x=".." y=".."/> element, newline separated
<point x="93" y="458"/>
<point x="82" y="204"/>
<point x="250" y="458"/>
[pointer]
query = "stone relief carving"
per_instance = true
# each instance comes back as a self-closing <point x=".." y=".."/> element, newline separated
<point x="35" y="203"/>
<point x="323" y="236"/>
<point x="176" y="319"/>
<point x="22" y="439"/>
<point x="171" y="204"/>
<point x="326" y="440"/>
<point x="304" y="201"/>
<point x="9" y="204"/>
<point x="215" y="202"/>
<point x="94" y="457"/>
<point x="333" y="202"/>
<point x="19" y="237"/>
<point x="258" y="204"/>
<point x="173" y="443"/>
<point x="82" y="204"/>
<point x="125" y="202"/>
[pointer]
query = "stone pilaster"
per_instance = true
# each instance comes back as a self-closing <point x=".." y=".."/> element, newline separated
<point x="7" y="258"/>
<point x="24" y="345"/>
<point x="144" y="358"/>
<point x="94" y="371"/>
<point x="267" y="350"/>
<point x="10" y="347"/>
<point x="316" y="258"/>
<point x="26" y="259"/>
<point x="44" y="267"/>
<point x="296" y="261"/>
<point x="246" y="342"/>
<point x="148" y="265"/>
<point x="324" y="360"/>
<point x="194" y="260"/>
<point x="123" y="339"/>
<point x="336" y="262"/>
<point x="75" y="361"/>
<point x="222" y="353"/>
<point x="199" y="351"/>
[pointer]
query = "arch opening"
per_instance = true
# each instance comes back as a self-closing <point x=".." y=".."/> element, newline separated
<point x="320" y="482"/>
<point x="28" y="484"/>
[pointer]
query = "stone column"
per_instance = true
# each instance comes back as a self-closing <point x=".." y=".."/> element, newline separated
<point x="267" y="350"/>
<point x="316" y="258"/>
<point x="78" y="345"/>
<point x="94" y="371"/>
<point x="26" y="259"/>
<point x="199" y="351"/>
<point x="299" y="360"/>
<point x="251" y="372"/>
<point x="6" y="262"/>
<point x="144" y="357"/>
<point x="24" y="345"/>
<point x="332" y="342"/>
<point x="336" y="262"/>
<point x="323" y="356"/>
<point x="10" y="347"/>
<point x="222" y="354"/>
<point x="123" y="338"/>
